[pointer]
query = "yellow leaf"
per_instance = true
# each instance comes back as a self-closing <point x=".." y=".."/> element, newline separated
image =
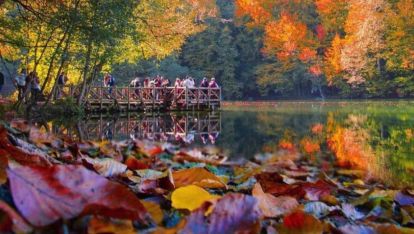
<point x="155" y="211"/>
<point x="197" y="176"/>
<point x="190" y="197"/>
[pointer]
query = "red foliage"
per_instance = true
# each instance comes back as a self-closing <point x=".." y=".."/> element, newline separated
<point x="320" y="32"/>
<point x="45" y="195"/>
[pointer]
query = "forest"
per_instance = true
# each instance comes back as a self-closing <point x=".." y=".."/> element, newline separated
<point x="260" y="49"/>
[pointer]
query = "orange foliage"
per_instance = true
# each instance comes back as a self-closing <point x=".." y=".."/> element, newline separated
<point x="317" y="128"/>
<point x="257" y="10"/>
<point x="310" y="147"/>
<point x="307" y="54"/>
<point x="333" y="59"/>
<point x="283" y="37"/>
<point x="315" y="70"/>
<point x="347" y="145"/>
<point x="286" y="145"/>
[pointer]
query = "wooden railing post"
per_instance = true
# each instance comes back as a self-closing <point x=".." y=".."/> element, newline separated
<point x="128" y="96"/>
<point x="186" y="97"/>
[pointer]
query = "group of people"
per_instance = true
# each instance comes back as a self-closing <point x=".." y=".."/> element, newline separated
<point x="160" y="81"/>
<point x="25" y="82"/>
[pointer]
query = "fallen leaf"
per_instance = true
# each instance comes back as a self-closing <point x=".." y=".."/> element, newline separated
<point x="233" y="213"/>
<point x="273" y="206"/>
<point x="135" y="164"/>
<point x="197" y="176"/>
<point x="190" y="197"/>
<point x="352" y="229"/>
<point x="41" y="139"/>
<point x="404" y="199"/>
<point x="154" y="210"/>
<point x="300" y="222"/>
<point x="19" y="225"/>
<point x="314" y="191"/>
<point x="351" y="213"/>
<point x="106" y="166"/>
<point x="100" y="225"/>
<point x="20" y="124"/>
<point x="19" y="154"/>
<point x="65" y="191"/>
<point x="318" y="209"/>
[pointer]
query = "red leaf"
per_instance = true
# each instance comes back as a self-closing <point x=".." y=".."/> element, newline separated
<point x="135" y="164"/>
<point x="269" y="180"/>
<point x="300" y="222"/>
<point x="233" y="213"/>
<point x="19" y="154"/>
<point x="44" y="195"/>
<point x="315" y="191"/>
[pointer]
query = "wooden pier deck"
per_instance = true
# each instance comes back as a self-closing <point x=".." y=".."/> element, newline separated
<point x="98" y="98"/>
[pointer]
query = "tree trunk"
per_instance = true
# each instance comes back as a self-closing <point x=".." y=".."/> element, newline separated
<point x="52" y="60"/>
<point x="85" y="71"/>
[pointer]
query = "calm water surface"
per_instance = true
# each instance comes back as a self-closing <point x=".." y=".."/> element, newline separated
<point x="375" y="137"/>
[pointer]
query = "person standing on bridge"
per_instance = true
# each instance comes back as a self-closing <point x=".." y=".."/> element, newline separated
<point x="213" y="83"/>
<point x="35" y="86"/>
<point x="20" y="82"/>
<point x="1" y="81"/>
<point x="61" y="81"/>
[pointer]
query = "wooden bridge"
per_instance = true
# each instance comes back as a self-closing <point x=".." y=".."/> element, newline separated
<point x="176" y="127"/>
<point x="153" y="98"/>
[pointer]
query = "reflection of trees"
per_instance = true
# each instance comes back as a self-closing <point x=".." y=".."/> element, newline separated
<point x="378" y="147"/>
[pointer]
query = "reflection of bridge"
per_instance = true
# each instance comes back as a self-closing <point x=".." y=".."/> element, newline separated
<point x="130" y="98"/>
<point x="173" y="127"/>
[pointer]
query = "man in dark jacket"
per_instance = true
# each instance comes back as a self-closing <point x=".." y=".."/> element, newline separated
<point x="1" y="81"/>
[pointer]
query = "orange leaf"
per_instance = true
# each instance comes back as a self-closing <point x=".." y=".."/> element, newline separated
<point x="197" y="176"/>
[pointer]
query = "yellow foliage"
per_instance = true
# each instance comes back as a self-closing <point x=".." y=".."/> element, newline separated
<point x="190" y="197"/>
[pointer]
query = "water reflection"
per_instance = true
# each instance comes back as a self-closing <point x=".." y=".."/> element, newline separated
<point x="182" y="128"/>
<point x="375" y="139"/>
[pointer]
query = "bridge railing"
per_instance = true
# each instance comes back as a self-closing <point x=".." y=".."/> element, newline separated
<point x="146" y="95"/>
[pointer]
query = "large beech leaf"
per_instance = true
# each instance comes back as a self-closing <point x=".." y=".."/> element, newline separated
<point x="273" y="206"/>
<point x="46" y="194"/>
<point x="233" y="213"/>
<point x="197" y="176"/>
<point x="190" y="197"/>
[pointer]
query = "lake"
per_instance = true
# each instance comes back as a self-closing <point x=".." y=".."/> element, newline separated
<point x="375" y="137"/>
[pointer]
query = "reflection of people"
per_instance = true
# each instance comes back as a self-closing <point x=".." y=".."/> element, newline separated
<point x="213" y="137"/>
<point x="204" y="138"/>
<point x="189" y="138"/>
<point x="108" y="132"/>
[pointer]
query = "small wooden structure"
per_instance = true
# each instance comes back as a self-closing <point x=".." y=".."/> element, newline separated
<point x="99" y="98"/>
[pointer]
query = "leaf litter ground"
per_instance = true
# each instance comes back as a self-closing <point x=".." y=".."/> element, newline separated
<point x="52" y="184"/>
